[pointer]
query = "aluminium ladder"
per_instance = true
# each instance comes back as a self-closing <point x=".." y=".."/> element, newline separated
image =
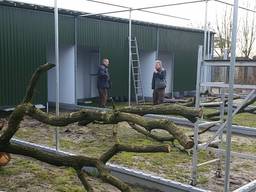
<point x="221" y="124"/>
<point x="136" y="72"/>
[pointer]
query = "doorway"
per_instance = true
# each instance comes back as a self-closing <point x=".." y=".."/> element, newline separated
<point x="147" y="59"/>
<point x="88" y="61"/>
<point x="67" y="75"/>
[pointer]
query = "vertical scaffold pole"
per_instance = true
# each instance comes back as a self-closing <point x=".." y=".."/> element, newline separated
<point x="230" y="96"/>
<point x="222" y="112"/>
<point x="56" y="26"/>
<point x="130" y="57"/>
<point x="195" y="148"/>
<point x="205" y="28"/>
<point x="208" y="42"/>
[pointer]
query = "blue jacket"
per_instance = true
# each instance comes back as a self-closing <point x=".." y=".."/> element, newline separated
<point x="159" y="80"/>
<point x="103" y="81"/>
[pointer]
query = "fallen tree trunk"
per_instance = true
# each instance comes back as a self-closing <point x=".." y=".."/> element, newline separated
<point x="78" y="162"/>
<point x="112" y="117"/>
<point x="165" y="109"/>
<point x="215" y="115"/>
<point x="85" y="116"/>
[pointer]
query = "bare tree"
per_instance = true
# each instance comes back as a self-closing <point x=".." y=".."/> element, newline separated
<point x="223" y="32"/>
<point x="247" y="37"/>
<point x="248" y="33"/>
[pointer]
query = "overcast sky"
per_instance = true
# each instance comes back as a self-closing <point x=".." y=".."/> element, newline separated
<point x="193" y="12"/>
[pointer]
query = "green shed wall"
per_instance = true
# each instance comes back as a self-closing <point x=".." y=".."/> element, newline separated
<point x="24" y="37"/>
<point x="23" y="43"/>
<point x="26" y="34"/>
<point x="184" y="45"/>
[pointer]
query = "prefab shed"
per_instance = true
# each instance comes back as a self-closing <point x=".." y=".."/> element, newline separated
<point x="27" y="40"/>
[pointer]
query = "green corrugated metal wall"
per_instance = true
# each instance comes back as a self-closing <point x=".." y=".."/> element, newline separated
<point x="23" y="43"/>
<point x="24" y="38"/>
<point x="146" y="36"/>
<point x="26" y="34"/>
<point x="114" y="45"/>
<point x="112" y="40"/>
<point x="184" y="45"/>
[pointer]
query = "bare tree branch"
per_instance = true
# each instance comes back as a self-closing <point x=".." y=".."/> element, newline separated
<point x="83" y="178"/>
<point x="34" y="79"/>
<point x="85" y="116"/>
<point x="149" y="134"/>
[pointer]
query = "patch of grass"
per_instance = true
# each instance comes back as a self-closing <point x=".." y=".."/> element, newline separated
<point x="95" y="139"/>
<point x="245" y="119"/>
<point x="28" y="173"/>
<point x="244" y="147"/>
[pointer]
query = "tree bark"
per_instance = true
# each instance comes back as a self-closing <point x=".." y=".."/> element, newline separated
<point x="149" y="134"/>
<point x="132" y="115"/>
<point x="112" y="117"/>
<point x="215" y="115"/>
<point x="165" y="109"/>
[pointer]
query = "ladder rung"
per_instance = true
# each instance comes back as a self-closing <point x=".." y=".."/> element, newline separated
<point x="135" y="60"/>
<point x="208" y="162"/>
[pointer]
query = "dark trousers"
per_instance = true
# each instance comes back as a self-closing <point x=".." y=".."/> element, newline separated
<point x="158" y="96"/>
<point x="103" y="97"/>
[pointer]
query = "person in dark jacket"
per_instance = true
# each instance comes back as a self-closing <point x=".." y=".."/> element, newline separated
<point x="103" y="82"/>
<point x="158" y="83"/>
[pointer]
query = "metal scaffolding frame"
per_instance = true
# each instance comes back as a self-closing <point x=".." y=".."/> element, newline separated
<point x="202" y="63"/>
<point x="200" y="58"/>
<point x="56" y="29"/>
<point x="129" y="9"/>
<point x="221" y="124"/>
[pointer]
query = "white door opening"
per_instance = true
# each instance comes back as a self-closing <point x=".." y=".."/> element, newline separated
<point x="88" y="61"/>
<point x="147" y="60"/>
<point x="67" y="75"/>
